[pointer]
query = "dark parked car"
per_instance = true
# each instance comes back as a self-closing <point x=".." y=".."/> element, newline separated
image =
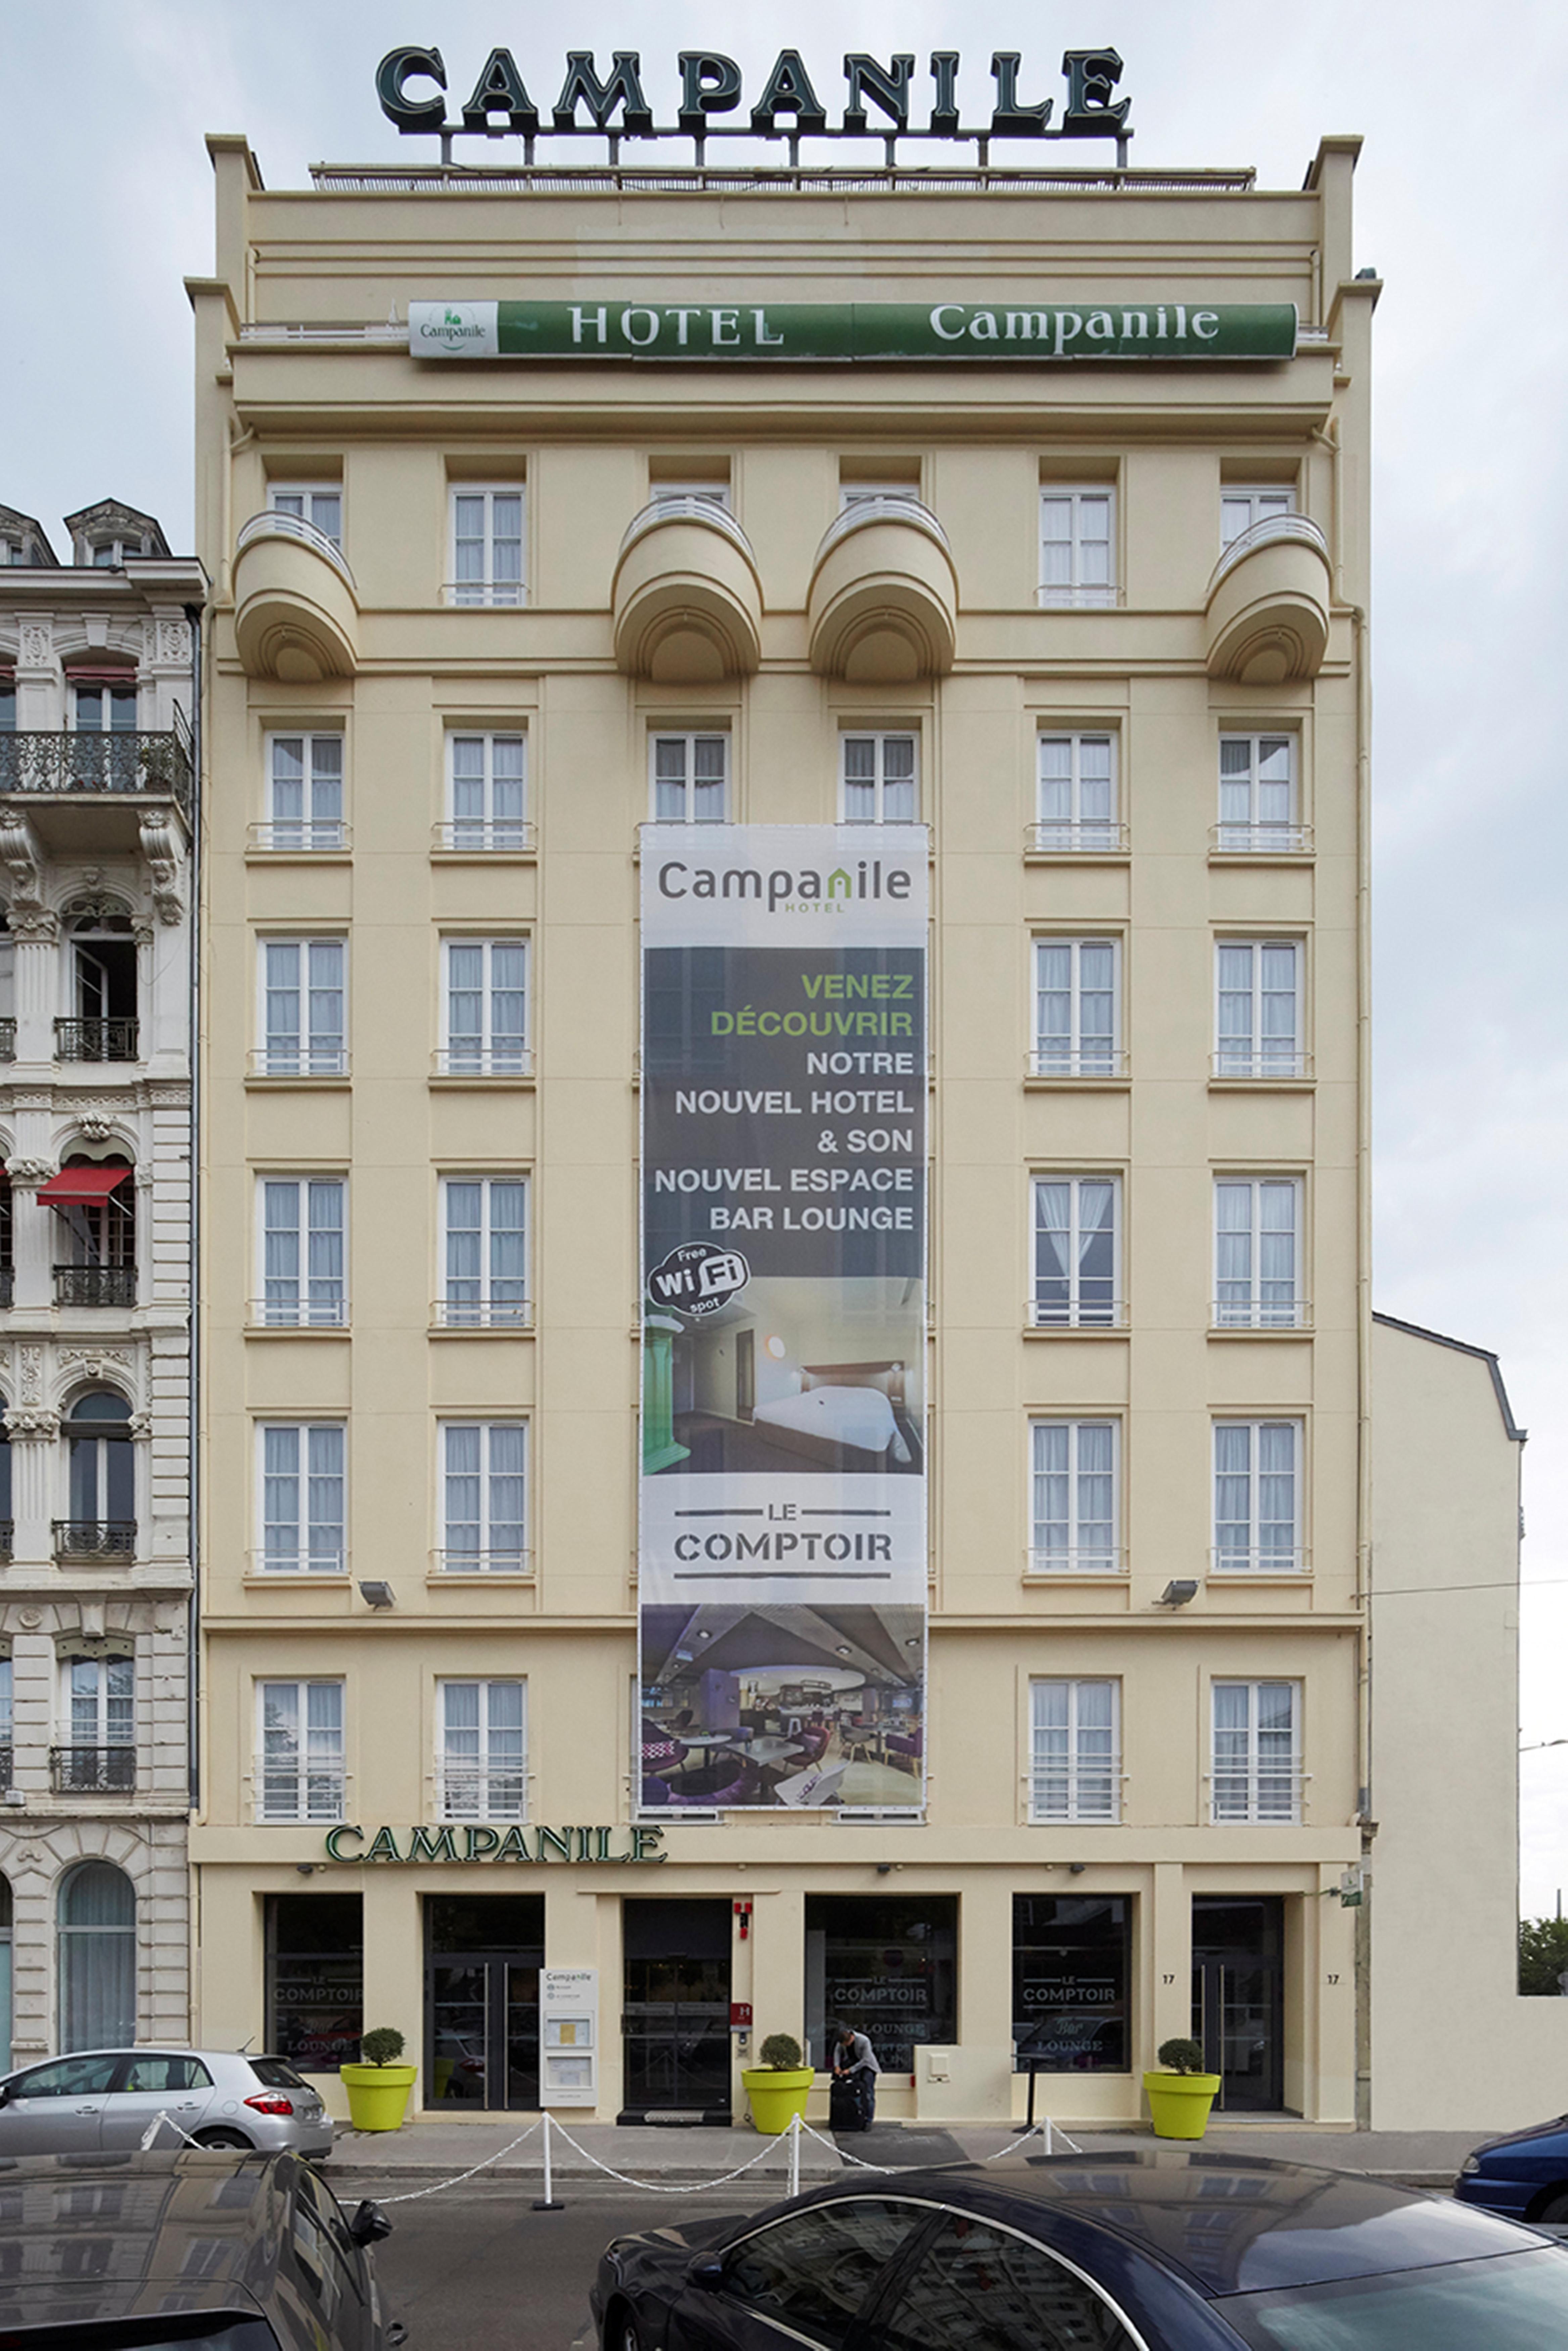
<point x="218" y="2251"/>
<point x="1159" y="2249"/>
<point x="1525" y="2176"/>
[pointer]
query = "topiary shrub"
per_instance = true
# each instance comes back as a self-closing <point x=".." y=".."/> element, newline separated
<point x="382" y="2045"/>
<point x="781" y="2052"/>
<point x="1182" y="2056"/>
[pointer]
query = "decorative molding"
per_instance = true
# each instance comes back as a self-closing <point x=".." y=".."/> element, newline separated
<point x="20" y="856"/>
<point x="95" y="1361"/>
<point x="26" y="1174"/>
<point x="139" y="1425"/>
<point x="167" y="1097"/>
<point x="144" y="933"/>
<point x="173" y="643"/>
<point x="30" y="1374"/>
<point x="29" y="1618"/>
<point x="38" y="647"/>
<point x="40" y="929"/>
<point x="162" y="855"/>
<point x="29" y="1426"/>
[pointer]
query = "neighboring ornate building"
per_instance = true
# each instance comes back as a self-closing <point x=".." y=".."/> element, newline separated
<point x="99" y="675"/>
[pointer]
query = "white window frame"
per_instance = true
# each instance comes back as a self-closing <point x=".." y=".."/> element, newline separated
<point x="690" y="736"/>
<point x="110" y="1713"/>
<point x="309" y="494"/>
<point x="1255" y="1787"/>
<point x="326" y="1799"/>
<point x="1078" y="592"/>
<point x="487" y="589"/>
<point x="717" y="491"/>
<point x="306" y="1057"/>
<point x="309" y="1555"/>
<point x="1262" y="1060"/>
<point x="328" y="1309"/>
<point x="1076" y="1557"/>
<point x="856" y="492"/>
<point x="1253" y="1310"/>
<point x="880" y="738"/>
<point x="307" y="831"/>
<point x="1254" y="834"/>
<point x="1076" y="834"/>
<point x="1050" y="1056"/>
<point x="1258" y="498"/>
<point x="487" y="1799"/>
<point x="1077" y="1314"/>
<point x="486" y="1059"/>
<point x="485" y="1560"/>
<point x="1254" y="1558"/>
<point x="487" y="834"/>
<point x="485" y="1312"/>
<point x="1089" y="1779"/>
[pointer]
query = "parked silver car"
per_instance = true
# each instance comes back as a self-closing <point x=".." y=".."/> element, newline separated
<point x="108" y="2100"/>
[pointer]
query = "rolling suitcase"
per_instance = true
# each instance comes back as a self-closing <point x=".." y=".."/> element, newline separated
<point x="844" y="2112"/>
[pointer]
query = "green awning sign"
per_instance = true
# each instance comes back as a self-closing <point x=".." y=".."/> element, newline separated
<point x="852" y="331"/>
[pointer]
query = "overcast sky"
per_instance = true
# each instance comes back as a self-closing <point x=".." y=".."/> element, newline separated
<point x="1461" y="205"/>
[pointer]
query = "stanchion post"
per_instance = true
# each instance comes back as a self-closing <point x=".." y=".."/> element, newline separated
<point x="546" y="2203"/>
<point x="1049" y="2148"/>
<point x="795" y="2155"/>
<point x="1022" y="2129"/>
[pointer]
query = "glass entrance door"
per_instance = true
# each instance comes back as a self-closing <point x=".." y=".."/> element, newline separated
<point x="482" y="2001"/>
<point x="675" y="2018"/>
<point x="1238" y="1998"/>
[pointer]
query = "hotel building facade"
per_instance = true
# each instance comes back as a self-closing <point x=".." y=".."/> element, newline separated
<point x="1100" y="625"/>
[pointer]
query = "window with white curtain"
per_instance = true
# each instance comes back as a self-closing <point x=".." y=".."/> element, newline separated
<point x="1077" y="1252"/>
<point x="1073" y="1483"/>
<point x="1077" y="550"/>
<point x="880" y="779"/>
<point x="487" y="783"/>
<point x="484" y="1497"/>
<point x="1258" y="1253"/>
<point x="305" y="792"/>
<point x="1256" y="1772"/>
<point x="484" y="1252"/>
<point x="101" y="1702"/>
<point x="303" y="1006"/>
<point x="1257" y="1496"/>
<point x="1257" y="794"/>
<point x="95" y="1913"/>
<point x="1077" y="1025"/>
<point x="1074" y="1762"/>
<point x="303" y="1487"/>
<point x="482" y="1766"/>
<point x="1076" y="807"/>
<point x="300" y="1751"/>
<point x="320" y="503"/>
<point x="485" y="1020"/>
<point x="301" y="1244"/>
<point x="1241" y="508"/>
<point x="690" y="778"/>
<point x="486" y="544"/>
<point x="1257" y="1009"/>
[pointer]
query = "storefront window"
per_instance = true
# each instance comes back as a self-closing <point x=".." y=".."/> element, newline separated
<point x="1070" y="1956"/>
<point x="316" y="1969"/>
<point x="889" y="1969"/>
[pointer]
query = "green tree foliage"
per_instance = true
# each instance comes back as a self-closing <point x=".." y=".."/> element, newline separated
<point x="1543" y="1957"/>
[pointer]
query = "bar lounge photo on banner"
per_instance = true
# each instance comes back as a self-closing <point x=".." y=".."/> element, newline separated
<point x="781" y="1547"/>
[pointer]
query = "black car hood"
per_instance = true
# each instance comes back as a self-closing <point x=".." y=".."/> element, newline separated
<point x="690" y="2236"/>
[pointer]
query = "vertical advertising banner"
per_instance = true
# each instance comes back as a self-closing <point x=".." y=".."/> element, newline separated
<point x="782" y="1550"/>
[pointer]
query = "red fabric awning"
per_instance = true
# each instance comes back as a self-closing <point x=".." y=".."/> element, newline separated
<point x="77" y="1187"/>
<point x="99" y="674"/>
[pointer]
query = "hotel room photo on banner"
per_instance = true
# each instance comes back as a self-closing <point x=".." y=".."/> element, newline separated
<point x="782" y="1554"/>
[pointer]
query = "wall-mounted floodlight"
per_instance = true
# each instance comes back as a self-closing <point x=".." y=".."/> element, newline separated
<point x="379" y="1595"/>
<point x="1177" y="1592"/>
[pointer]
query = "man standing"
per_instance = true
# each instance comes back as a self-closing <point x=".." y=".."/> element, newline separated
<point x="854" y="2060"/>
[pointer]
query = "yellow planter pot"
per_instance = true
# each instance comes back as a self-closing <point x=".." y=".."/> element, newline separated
<point x="378" y="2095"/>
<point x="776" y="2098"/>
<point x="1179" y="2103"/>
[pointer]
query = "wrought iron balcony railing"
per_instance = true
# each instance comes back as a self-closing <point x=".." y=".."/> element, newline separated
<point x="7" y="1536"/>
<point x="92" y="1770"/>
<point x="42" y="762"/>
<point x="7" y="1039"/>
<point x="97" y="1040"/>
<point x="95" y="1537"/>
<point x="5" y="1767"/>
<point x="94" y="1285"/>
<point x="7" y="1285"/>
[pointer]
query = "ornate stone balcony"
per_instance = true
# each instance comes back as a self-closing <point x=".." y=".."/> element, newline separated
<point x="297" y="611"/>
<point x="687" y="598"/>
<point x="883" y="603"/>
<point x="1267" y="610"/>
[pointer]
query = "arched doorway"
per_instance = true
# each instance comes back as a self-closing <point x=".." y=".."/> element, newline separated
<point x="97" y="1926"/>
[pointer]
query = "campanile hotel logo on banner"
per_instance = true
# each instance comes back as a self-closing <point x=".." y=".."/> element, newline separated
<point x="783" y="1289"/>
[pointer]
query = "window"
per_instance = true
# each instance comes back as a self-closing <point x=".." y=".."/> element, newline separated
<point x="153" y="2076"/>
<point x="6" y="1714"/>
<point x="811" y="2274"/>
<point x="101" y="1702"/>
<point x="109" y="554"/>
<point x="711" y="486"/>
<point x="102" y="1479"/>
<point x="484" y="1253"/>
<point x="316" y="1974"/>
<point x="1257" y="1253"/>
<point x="103" y="977"/>
<point x="1258" y="794"/>
<point x="1078" y="1026"/>
<point x="302" y="1008"/>
<point x="1257" y="1751"/>
<point x="107" y="709"/>
<point x="300" y="1774"/>
<point x="1076" y="1252"/>
<point x="305" y="792"/>
<point x="1077" y="802"/>
<point x="881" y="779"/>
<point x="71" y="2078"/>
<point x="888" y="1967"/>
<point x="1257" y="1496"/>
<point x="1259" y="1012"/>
<point x="318" y="503"/>
<point x="484" y="1745"/>
<point x="690" y="778"/>
<point x="856" y="492"/>
<point x="978" y="2287"/>
<point x="483" y="1469"/>
<point x="1070" y="1968"/>
<point x="1073" y="1496"/>
<point x="8" y="705"/>
<point x="303" y="1473"/>
<point x="1076" y="562"/>
<point x="97" y="1233"/>
<point x="486" y="983"/>
<point x="1075" y="1762"/>
<point x="487" y="544"/>
<point x="486" y="802"/>
<point x="96" y="1908"/>
<point x="302" y="1251"/>
<point x="1240" y="509"/>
